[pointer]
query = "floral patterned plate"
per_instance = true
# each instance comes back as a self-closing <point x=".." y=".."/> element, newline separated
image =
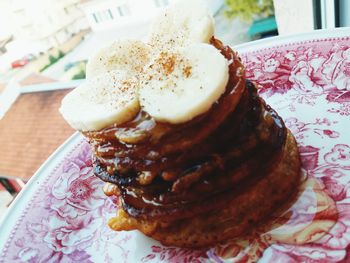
<point x="61" y="214"/>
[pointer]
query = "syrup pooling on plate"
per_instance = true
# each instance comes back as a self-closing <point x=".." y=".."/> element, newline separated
<point x="311" y="216"/>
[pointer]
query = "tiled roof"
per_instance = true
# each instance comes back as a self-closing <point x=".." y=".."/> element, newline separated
<point x="30" y="131"/>
<point x="34" y="78"/>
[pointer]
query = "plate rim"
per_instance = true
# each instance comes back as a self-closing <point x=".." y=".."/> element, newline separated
<point x="7" y="226"/>
<point x="14" y="214"/>
<point x="292" y="39"/>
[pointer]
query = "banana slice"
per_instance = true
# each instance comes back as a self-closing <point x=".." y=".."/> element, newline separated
<point x="181" y="24"/>
<point x="128" y="55"/>
<point x="109" y="98"/>
<point x="180" y="85"/>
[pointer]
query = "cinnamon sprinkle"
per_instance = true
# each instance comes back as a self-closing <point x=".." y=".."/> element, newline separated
<point x="187" y="71"/>
<point x="167" y="62"/>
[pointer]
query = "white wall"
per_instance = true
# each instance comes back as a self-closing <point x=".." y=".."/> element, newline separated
<point x="214" y="5"/>
<point x="294" y="16"/>
<point x="5" y="31"/>
<point x="108" y="16"/>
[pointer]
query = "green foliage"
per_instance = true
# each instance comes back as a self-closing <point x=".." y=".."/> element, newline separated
<point x="247" y="10"/>
<point x="44" y="67"/>
<point x="79" y="75"/>
<point x="53" y="60"/>
<point x="60" y="54"/>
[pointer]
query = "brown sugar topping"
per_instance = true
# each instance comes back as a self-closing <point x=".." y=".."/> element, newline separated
<point x="187" y="71"/>
<point x="167" y="62"/>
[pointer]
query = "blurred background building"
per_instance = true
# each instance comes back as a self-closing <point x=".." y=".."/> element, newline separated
<point x="108" y="14"/>
<point x="36" y="26"/>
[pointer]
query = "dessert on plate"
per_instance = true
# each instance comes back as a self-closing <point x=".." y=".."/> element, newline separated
<point x="179" y="134"/>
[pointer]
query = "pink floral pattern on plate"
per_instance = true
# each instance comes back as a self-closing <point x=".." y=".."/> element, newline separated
<point x="308" y="83"/>
<point x="67" y="222"/>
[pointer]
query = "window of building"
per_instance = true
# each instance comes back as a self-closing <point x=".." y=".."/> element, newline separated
<point x="123" y="10"/>
<point x="104" y="15"/>
<point x="161" y="3"/>
<point x="120" y="11"/>
<point x="110" y="14"/>
<point x="99" y="17"/>
<point x="95" y="17"/>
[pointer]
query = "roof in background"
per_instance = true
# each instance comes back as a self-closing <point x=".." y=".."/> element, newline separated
<point x="30" y="131"/>
<point x="34" y="78"/>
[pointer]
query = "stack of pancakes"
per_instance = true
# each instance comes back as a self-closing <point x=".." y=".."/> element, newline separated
<point x="204" y="181"/>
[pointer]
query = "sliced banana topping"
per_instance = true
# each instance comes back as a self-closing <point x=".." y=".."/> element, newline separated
<point x="180" y="85"/>
<point x="176" y="75"/>
<point x="129" y="55"/>
<point x="181" y="24"/>
<point x="109" y="98"/>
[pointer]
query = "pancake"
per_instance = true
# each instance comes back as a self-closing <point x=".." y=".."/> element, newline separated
<point x="205" y="181"/>
<point x="189" y="151"/>
<point x="243" y="212"/>
<point x="247" y="159"/>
